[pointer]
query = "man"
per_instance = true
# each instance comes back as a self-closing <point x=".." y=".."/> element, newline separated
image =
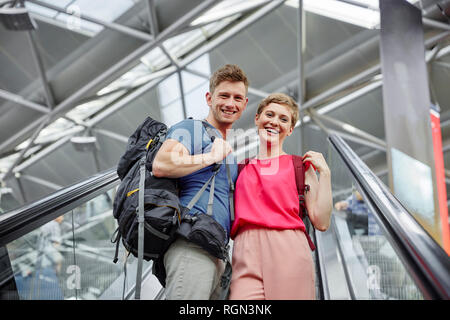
<point x="189" y="154"/>
<point x="359" y="214"/>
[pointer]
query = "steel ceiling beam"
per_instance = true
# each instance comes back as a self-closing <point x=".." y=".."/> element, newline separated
<point x="257" y="15"/>
<point x="230" y="34"/>
<point x="157" y="78"/>
<point x="41" y="70"/>
<point x="23" y="102"/>
<point x="435" y="24"/>
<point x="364" y="75"/>
<point x="41" y="182"/>
<point x="48" y="150"/>
<point x="152" y="18"/>
<point x="110" y="25"/>
<point x="165" y="73"/>
<point x="352" y="130"/>
<point x="377" y="148"/>
<point x="110" y="134"/>
<point x="320" y="98"/>
<point x="125" y="63"/>
<point x="363" y="72"/>
<point x="175" y="62"/>
<point x="22" y="152"/>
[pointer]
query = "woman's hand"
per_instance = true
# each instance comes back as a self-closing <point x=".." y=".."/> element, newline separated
<point x="319" y="199"/>
<point x="317" y="160"/>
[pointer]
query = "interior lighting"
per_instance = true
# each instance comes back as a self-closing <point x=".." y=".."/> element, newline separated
<point x="84" y="143"/>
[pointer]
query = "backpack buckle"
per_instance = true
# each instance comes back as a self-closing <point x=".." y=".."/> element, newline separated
<point x="216" y="167"/>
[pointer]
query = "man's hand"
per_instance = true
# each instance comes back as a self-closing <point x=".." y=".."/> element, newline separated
<point x="341" y="205"/>
<point x="220" y="150"/>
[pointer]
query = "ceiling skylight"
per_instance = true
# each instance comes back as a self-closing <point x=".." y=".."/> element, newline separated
<point x="365" y="15"/>
<point x="226" y="8"/>
<point x="104" y="10"/>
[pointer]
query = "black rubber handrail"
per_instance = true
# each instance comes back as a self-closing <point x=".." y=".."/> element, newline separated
<point x="427" y="263"/>
<point x="16" y="223"/>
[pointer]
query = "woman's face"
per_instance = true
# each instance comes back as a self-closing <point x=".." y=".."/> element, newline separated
<point x="274" y="124"/>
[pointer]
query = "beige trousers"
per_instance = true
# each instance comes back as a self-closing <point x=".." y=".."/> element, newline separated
<point x="272" y="264"/>
<point x="192" y="273"/>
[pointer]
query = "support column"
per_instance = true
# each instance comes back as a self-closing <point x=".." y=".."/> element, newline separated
<point x="301" y="77"/>
<point x="406" y="102"/>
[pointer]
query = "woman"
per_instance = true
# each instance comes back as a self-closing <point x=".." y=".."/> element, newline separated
<point x="271" y="255"/>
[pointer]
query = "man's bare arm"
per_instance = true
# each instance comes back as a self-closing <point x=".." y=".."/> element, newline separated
<point x="173" y="159"/>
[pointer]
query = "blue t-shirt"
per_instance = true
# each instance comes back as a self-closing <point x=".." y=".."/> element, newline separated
<point x="194" y="137"/>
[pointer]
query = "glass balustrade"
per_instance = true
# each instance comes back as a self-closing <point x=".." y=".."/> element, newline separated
<point x="372" y="267"/>
<point x="71" y="257"/>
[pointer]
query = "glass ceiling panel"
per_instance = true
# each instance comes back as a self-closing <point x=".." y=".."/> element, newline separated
<point x="172" y="113"/>
<point x="191" y="81"/>
<point x="195" y="100"/>
<point x="168" y="90"/>
<point x="104" y="10"/>
<point x="201" y="64"/>
<point x="34" y="8"/>
<point x="74" y="24"/>
<point x="363" y="13"/>
<point x="57" y="126"/>
<point x="184" y="43"/>
<point x="85" y="110"/>
<point x="59" y="3"/>
<point x="226" y="8"/>
<point x="155" y="59"/>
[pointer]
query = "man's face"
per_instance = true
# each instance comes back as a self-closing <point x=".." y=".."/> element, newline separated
<point x="227" y="101"/>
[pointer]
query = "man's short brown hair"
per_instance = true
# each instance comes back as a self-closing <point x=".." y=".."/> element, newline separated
<point x="283" y="99"/>
<point x="229" y="72"/>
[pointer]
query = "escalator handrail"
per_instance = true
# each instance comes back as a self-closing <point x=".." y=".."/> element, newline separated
<point x="427" y="262"/>
<point x="16" y="223"/>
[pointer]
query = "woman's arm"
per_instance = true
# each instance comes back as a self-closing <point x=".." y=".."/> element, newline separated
<point x="319" y="200"/>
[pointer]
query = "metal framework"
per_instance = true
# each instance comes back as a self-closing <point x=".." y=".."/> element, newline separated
<point x="315" y="107"/>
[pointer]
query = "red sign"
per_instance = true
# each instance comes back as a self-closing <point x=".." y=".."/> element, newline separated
<point x="440" y="178"/>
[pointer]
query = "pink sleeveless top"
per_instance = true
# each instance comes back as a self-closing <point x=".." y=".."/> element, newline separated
<point x="266" y="196"/>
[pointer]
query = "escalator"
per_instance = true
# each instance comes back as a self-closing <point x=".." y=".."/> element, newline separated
<point x="387" y="256"/>
<point x="59" y="247"/>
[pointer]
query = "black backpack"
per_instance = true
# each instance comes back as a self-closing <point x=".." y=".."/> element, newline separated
<point x="161" y="198"/>
<point x="161" y="214"/>
<point x="148" y="232"/>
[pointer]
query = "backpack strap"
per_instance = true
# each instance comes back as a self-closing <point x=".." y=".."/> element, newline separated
<point x="302" y="188"/>
<point x="212" y="134"/>
<point x="230" y="193"/>
<point x="200" y="192"/>
<point x="242" y="164"/>
<point x="141" y="220"/>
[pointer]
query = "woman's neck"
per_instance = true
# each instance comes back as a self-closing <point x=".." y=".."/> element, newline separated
<point x="268" y="152"/>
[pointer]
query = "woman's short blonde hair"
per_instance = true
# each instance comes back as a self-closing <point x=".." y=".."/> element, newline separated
<point x="283" y="99"/>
